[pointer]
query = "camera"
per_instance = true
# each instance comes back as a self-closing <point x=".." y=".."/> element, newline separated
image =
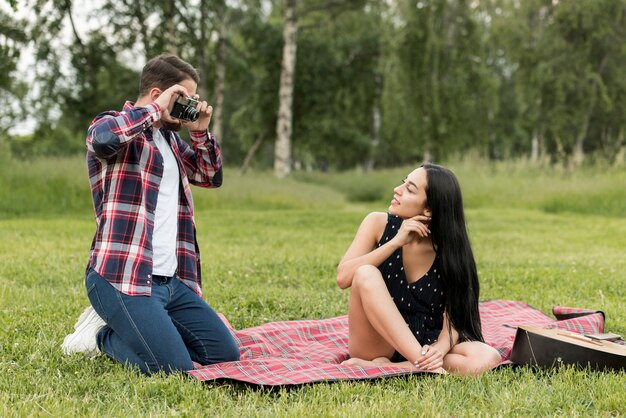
<point x="185" y="109"/>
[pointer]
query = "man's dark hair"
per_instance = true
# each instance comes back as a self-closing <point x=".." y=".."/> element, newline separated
<point x="164" y="71"/>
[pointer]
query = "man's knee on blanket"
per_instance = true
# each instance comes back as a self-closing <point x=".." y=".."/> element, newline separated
<point x="227" y="351"/>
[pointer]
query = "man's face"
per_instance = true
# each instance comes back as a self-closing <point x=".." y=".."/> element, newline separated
<point x="170" y="123"/>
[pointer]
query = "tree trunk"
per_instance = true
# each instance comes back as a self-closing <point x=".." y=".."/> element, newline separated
<point x="376" y="118"/>
<point x="139" y="15"/>
<point x="251" y="153"/>
<point x="282" y="149"/>
<point x="432" y="112"/>
<point x="428" y="156"/>
<point x="578" y="155"/>
<point x="169" y="10"/>
<point x="220" y="75"/>
<point x="202" y="62"/>
<point x="620" y="157"/>
<point x="534" y="147"/>
<point x="535" y="142"/>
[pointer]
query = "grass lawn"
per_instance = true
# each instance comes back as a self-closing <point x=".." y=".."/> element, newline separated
<point x="270" y="249"/>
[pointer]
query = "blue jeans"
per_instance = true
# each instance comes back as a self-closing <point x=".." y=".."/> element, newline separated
<point x="165" y="331"/>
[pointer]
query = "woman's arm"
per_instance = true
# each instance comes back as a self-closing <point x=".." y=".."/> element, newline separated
<point x="362" y="251"/>
<point x="444" y="343"/>
<point x="432" y="355"/>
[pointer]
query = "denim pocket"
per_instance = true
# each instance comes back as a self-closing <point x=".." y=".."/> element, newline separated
<point x="94" y="297"/>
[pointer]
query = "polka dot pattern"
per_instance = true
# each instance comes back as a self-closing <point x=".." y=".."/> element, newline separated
<point x="420" y="302"/>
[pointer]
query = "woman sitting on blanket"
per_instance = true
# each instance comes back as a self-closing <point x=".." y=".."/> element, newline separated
<point x="414" y="282"/>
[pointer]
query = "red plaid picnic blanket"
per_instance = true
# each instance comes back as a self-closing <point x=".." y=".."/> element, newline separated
<point x="297" y="352"/>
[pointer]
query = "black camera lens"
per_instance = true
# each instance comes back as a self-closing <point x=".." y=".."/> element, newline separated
<point x="185" y="109"/>
<point x="191" y="114"/>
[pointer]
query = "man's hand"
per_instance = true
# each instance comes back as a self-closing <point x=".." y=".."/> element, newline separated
<point x="202" y="123"/>
<point x="167" y="97"/>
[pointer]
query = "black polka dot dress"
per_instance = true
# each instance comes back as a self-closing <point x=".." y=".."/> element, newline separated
<point x="421" y="303"/>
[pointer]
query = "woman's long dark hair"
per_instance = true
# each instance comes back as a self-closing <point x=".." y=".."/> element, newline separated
<point x="452" y="244"/>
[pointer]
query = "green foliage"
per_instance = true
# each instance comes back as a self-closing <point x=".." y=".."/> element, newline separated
<point x="376" y="83"/>
<point x="252" y="82"/>
<point x="487" y="184"/>
<point x="56" y="186"/>
<point x="448" y="92"/>
<point x="44" y="187"/>
<point x="12" y="86"/>
<point x="13" y="37"/>
<point x="47" y="187"/>
<point x="101" y="68"/>
<point x="610" y="202"/>
<point x="356" y="186"/>
<point x="335" y="89"/>
<point x="270" y="252"/>
<point x="568" y="76"/>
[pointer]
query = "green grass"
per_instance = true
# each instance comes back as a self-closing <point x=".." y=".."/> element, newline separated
<point x="593" y="190"/>
<point x="59" y="186"/>
<point x="269" y="253"/>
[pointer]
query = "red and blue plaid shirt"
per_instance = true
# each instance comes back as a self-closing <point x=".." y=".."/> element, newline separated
<point x="125" y="171"/>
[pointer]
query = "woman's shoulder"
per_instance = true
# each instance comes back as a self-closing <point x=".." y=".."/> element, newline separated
<point x="378" y="219"/>
<point x="377" y="223"/>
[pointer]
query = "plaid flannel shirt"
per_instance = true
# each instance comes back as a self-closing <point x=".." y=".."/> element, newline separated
<point x="125" y="171"/>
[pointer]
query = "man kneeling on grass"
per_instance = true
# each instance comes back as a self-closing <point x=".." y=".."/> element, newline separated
<point x="143" y="275"/>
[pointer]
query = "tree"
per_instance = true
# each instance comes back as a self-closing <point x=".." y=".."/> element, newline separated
<point x="12" y="90"/>
<point x="292" y="16"/>
<point x="446" y="89"/>
<point x="282" y="153"/>
<point x="253" y="82"/>
<point x="592" y="34"/>
<point x="361" y="83"/>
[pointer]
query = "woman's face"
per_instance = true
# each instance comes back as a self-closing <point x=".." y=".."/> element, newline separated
<point x="409" y="198"/>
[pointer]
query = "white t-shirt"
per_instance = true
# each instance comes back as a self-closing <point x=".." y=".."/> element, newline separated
<point x="164" y="261"/>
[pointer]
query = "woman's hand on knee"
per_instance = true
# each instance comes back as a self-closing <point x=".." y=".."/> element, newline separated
<point x="431" y="359"/>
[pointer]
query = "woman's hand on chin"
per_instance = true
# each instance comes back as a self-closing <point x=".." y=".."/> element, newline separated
<point x="411" y="229"/>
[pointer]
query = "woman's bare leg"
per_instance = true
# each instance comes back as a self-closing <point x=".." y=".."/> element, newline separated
<point x="471" y="358"/>
<point x="364" y="342"/>
<point x="376" y="327"/>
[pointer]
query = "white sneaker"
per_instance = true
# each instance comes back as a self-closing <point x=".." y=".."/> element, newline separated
<point x="83" y="340"/>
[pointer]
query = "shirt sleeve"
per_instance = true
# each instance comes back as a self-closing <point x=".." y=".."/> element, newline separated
<point x="111" y="132"/>
<point x="202" y="160"/>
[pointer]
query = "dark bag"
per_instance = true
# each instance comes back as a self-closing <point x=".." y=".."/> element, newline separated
<point x="555" y="347"/>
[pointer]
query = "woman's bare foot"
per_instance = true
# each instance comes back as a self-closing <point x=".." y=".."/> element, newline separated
<point x="355" y="361"/>
<point x="377" y="362"/>
<point x="384" y="361"/>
